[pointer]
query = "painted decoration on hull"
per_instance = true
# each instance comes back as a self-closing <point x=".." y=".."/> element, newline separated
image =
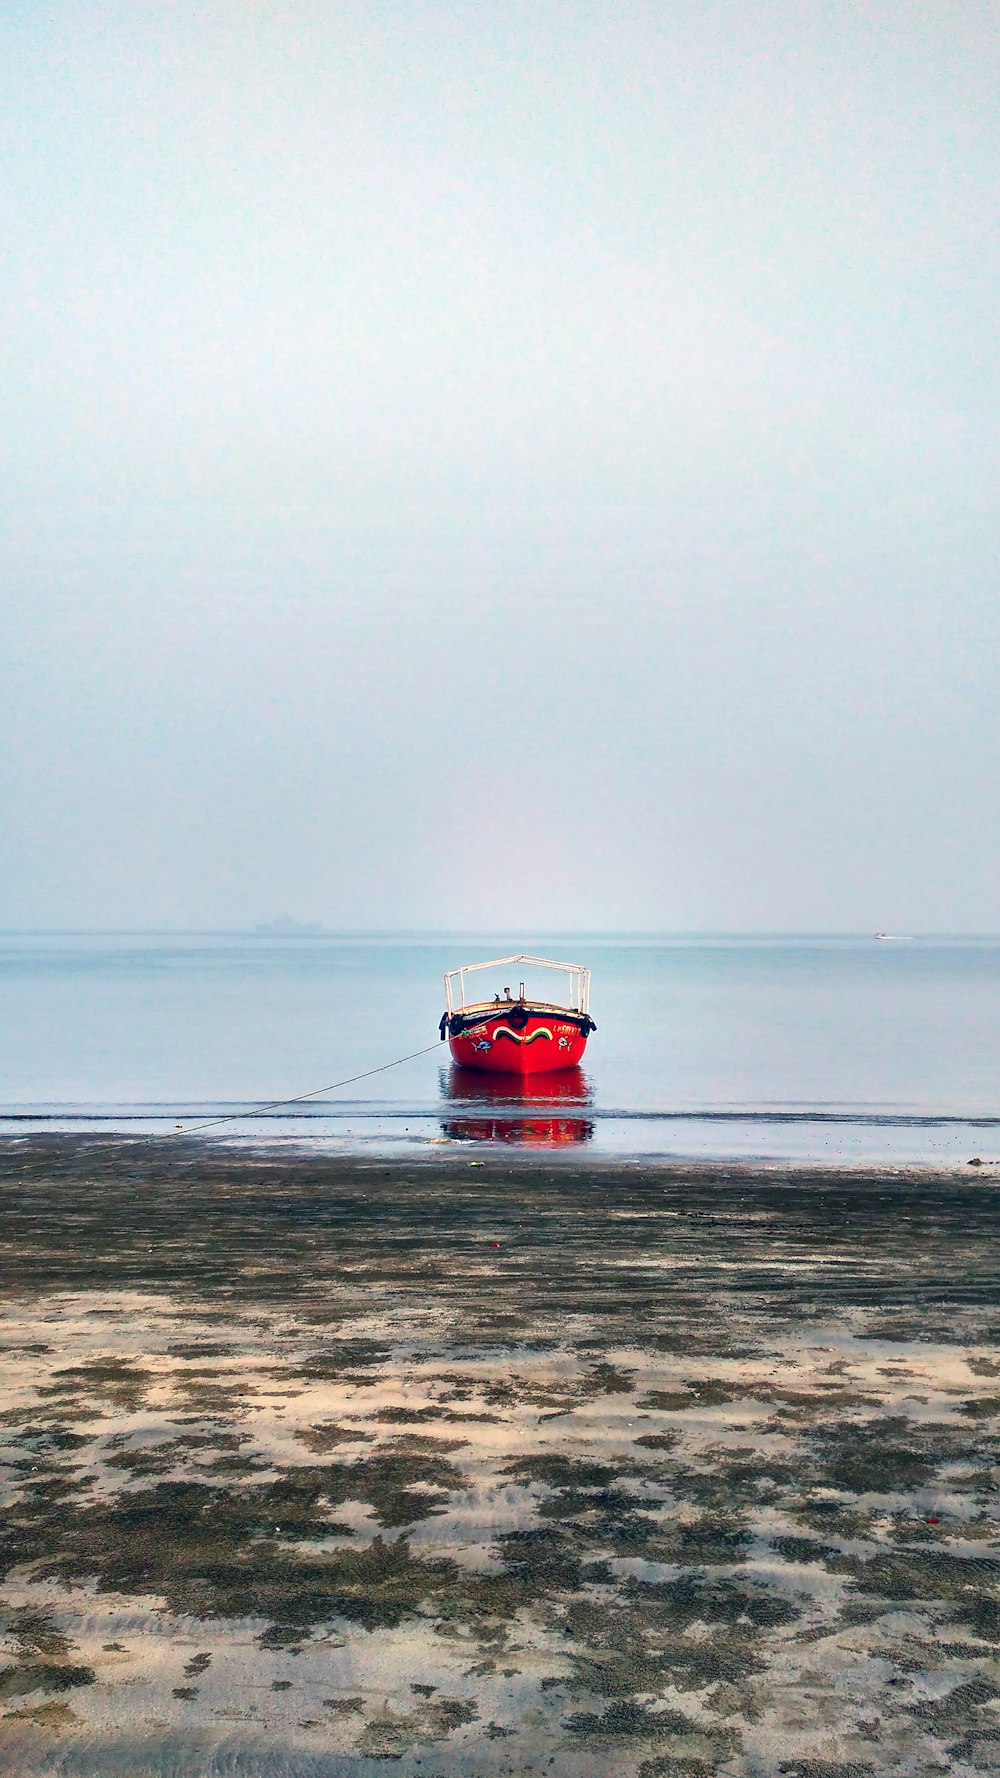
<point x="540" y="1046"/>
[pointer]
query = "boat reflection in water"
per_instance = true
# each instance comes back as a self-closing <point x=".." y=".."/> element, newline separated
<point x="535" y="1110"/>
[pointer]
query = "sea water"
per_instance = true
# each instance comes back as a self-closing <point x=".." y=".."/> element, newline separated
<point x="824" y="1048"/>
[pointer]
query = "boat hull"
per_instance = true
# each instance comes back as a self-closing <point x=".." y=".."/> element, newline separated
<point x="538" y="1044"/>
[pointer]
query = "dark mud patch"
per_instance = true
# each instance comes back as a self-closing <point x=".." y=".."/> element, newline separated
<point x="701" y="1598"/>
<point x="45" y="1438"/>
<point x="967" y="1587"/>
<point x="390" y="1736"/>
<point x="824" y="1768"/>
<point x="335" y="1363"/>
<point x="41" y="1650"/>
<point x="43" y="1676"/>
<point x="874" y="1456"/>
<point x="712" y="1393"/>
<point x="418" y="1443"/>
<point x="197" y="1217"/>
<point x="399" y="1416"/>
<point x="328" y="1435"/>
<point x="217" y="1451"/>
<point x="557" y="1471"/>
<point x="729" y="1483"/>
<point x="658" y="1441"/>
<point x="114" y="1382"/>
<point x="693" y="1745"/>
<point x="51" y="1717"/>
<point x="217" y="1551"/>
<point x="194" y="1351"/>
<point x="985" y="1407"/>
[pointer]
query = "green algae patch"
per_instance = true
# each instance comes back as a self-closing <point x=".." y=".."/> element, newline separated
<point x="326" y="1435"/>
<point x="827" y="1768"/>
<point x="630" y="1719"/>
<point x="33" y="1632"/>
<point x="375" y="1587"/>
<point x="148" y="1531"/>
<point x="390" y="1735"/>
<point x="402" y="1416"/>
<point x="985" y="1407"/>
<point x="612" y="1505"/>
<point x="698" y="1597"/>
<point x="712" y="1393"/>
<point x="693" y="1745"/>
<point x="969" y="1586"/>
<point x="873" y="1456"/>
<point x="43" y="1676"/>
<point x="193" y="1350"/>
<point x="331" y="1363"/>
<point x="115" y="1382"/>
<point x="413" y="1443"/>
<point x="41" y="1650"/>
<point x="48" y="1437"/>
<point x="712" y="1538"/>
<point x="557" y="1471"/>
<point x="211" y="1550"/>
<point x="956" y="1709"/>
<point x="51" y="1716"/>
<point x="683" y="1766"/>
<point x="728" y="1484"/>
<point x="543" y="1560"/>
<point x="218" y="1451"/>
<point x="607" y="1379"/>
<point x="805" y="1549"/>
<point x="642" y="1641"/>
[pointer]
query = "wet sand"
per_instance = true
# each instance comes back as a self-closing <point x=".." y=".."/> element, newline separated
<point x="447" y="1465"/>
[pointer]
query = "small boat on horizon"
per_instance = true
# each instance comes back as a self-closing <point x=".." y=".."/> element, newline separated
<point x="522" y="1034"/>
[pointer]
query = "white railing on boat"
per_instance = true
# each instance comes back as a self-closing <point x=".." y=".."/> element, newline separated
<point x="577" y="989"/>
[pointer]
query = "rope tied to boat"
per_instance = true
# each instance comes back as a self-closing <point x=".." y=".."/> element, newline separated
<point x="237" y="1117"/>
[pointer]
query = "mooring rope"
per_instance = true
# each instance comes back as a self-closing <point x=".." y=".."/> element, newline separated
<point x="237" y="1117"/>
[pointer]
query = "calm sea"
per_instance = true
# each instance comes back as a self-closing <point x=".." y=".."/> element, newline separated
<point x="839" y="1048"/>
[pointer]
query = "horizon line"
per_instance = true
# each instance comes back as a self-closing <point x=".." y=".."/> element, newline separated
<point x="311" y="930"/>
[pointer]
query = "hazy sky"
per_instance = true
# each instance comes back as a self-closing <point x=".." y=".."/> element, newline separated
<point x="482" y="464"/>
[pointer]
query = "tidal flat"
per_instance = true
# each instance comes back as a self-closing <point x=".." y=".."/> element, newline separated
<point x="451" y="1465"/>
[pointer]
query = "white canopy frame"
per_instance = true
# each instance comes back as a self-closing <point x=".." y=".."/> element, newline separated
<point x="577" y="986"/>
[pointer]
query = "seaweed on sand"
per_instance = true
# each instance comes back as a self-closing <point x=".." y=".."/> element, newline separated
<point x="41" y="1650"/>
<point x="223" y="1551"/>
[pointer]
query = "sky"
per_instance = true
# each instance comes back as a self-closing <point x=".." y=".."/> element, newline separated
<point x="512" y="465"/>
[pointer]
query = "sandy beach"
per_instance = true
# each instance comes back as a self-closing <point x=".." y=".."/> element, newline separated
<point x="458" y="1465"/>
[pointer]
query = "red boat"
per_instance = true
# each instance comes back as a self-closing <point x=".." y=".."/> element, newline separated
<point x="504" y="1034"/>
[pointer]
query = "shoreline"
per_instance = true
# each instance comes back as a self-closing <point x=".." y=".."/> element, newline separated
<point x="836" y="1142"/>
